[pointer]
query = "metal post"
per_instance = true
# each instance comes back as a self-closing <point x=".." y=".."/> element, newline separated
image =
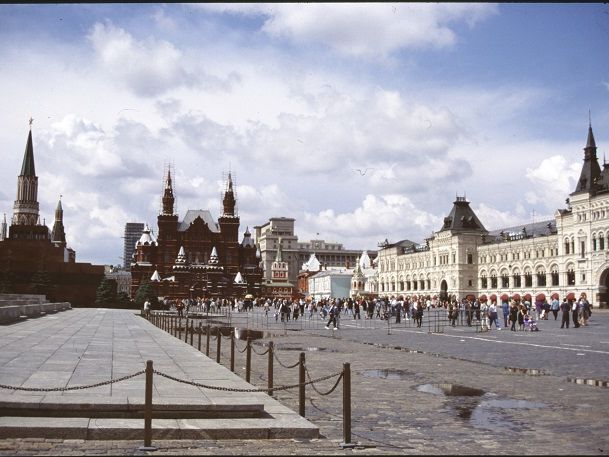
<point x="347" y="407"/>
<point x="192" y="331"/>
<point x="219" y="336"/>
<point x="270" y="369"/>
<point x="301" y="386"/>
<point x="207" y="343"/>
<point x="200" y="331"/>
<point x="232" y="352"/>
<point x="248" y="359"/>
<point x="186" y="331"/>
<point x="148" y="409"/>
<point x="180" y="329"/>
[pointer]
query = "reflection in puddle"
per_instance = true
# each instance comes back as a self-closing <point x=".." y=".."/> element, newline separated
<point x="589" y="382"/>
<point x="529" y="371"/>
<point x="480" y="409"/>
<point x="386" y="374"/>
<point x="450" y="390"/>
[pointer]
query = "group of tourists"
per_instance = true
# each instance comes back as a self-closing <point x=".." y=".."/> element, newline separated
<point x="517" y="314"/>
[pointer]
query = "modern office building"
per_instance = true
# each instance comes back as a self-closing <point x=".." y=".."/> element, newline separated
<point x="133" y="232"/>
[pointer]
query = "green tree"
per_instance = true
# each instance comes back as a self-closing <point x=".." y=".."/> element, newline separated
<point x="106" y="293"/>
<point x="123" y="301"/>
<point x="146" y="292"/>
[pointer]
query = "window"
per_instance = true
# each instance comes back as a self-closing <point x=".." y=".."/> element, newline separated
<point x="505" y="281"/>
<point x="594" y="243"/>
<point x="483" y="282"/>
<point x="601" y="243"/>
<point x="517" y="280"/>
<point x="493" y="282"/>
<point x="566" y="247"/>
<point x="541" y="278"/>
<point x="528" y="279"/>
<point x="470" y="258"/>
<point x="582" y="246"/>
<point x="570" y="278"/>
<point x="554" y="278"/>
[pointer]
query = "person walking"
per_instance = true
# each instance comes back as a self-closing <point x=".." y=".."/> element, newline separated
<point x="575" y="313"/>
<point x="513" y="316"/>
<point x="584" y="309"/>
<point x="483" y="316"/>
<point x="505" y="308"/>
<point x="333" y="315"/>
<point x="492" y="316"/>
<point x="565" y="307"/>
<point x="555" y="306"/>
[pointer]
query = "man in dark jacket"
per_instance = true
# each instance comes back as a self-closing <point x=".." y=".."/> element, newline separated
<point x="565" y="308"/>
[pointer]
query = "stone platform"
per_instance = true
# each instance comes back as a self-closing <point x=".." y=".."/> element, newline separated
<point x="84" y="347"/>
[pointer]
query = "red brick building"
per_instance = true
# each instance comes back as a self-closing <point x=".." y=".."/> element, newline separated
<point x="197" y="256"/>
<point x="34" y="259"/>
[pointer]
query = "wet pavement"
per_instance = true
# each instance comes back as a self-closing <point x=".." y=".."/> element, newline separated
<point x="418" y="392"/>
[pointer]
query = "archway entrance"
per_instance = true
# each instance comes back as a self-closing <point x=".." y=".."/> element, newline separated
<point x="443" y="290"/>
<point x="603" y="290"/>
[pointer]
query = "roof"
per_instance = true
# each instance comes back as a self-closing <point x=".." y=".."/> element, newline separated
<point x="192" y="214"/>
<point x="542" y="228"/>
<point x="462" y="217"/>
<point x="27" y="168"/>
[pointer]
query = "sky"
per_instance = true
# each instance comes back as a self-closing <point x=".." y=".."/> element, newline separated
<point x="362" y="122"/>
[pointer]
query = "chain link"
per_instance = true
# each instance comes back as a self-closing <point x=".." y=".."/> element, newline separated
<point x="63" y="389"/>
<point x="328" y="392"/>
<point x="239" y="350"/>
<point x="285" y="366"/>
<point x="234" y="389"/>
<point x="260" y="353"/>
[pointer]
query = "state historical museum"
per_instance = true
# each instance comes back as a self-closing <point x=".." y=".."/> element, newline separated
<point x="197" y="257"/>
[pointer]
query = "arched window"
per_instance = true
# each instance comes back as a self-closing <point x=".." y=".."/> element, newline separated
<point x="483" y="281"/>
<point x="505" y="280"/>
<point x="541" y="277"/>
<point x="528" y="279"/>
<point x="570" y="276"/>
<point x="493" y="280"/>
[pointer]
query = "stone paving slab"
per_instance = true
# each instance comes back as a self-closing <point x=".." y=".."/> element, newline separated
<point x="96" y="345"/>
<point x="391" y="417"/>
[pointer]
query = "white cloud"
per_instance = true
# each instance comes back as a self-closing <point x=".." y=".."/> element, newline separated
<point x="148" y="68"/>
<point x="378" y="217"/>
<point x="553" y="177"/>
<point x="364" y="29"/>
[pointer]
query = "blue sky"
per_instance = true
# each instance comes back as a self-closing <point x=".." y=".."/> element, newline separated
<point x="434" y="100"/>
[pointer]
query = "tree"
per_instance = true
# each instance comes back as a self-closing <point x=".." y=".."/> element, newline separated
<point x="106" y="293"/>
<point x="146" y="292"/>
<point x="7" y="282"/>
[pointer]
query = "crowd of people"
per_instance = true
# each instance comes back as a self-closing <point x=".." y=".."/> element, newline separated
<point x="516" y="313"/>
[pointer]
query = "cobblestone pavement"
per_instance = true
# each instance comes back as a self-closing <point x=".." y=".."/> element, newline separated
<point x="405" y="383"/>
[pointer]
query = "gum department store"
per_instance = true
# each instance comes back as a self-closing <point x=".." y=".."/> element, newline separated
<point x="564" y="255"/>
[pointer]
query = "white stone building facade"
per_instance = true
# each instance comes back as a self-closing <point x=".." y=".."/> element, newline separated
<point x="568" y="254"/>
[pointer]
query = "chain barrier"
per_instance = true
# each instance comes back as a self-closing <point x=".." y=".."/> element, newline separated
<point x="323" y="394"/>
<point x="234" y="389"/>
<point x="260" y="353"/>
<point x="239" y="350"/>
<point x="285" y="366"/>
<point x="64" y="389"/>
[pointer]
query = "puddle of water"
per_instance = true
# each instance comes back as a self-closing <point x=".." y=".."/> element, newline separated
<point x="305" y="349"/>
<point x="480" y="409"/>
<point x="450" y="390"/>
<point x="387" y="374"/>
